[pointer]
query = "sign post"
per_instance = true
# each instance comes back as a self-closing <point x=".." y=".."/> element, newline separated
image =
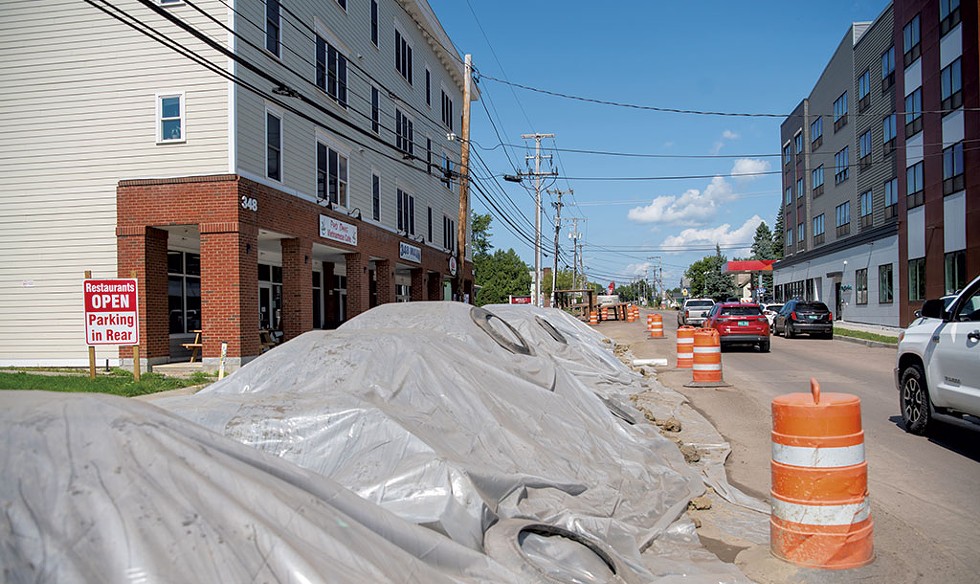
<point x="111" y="317"/>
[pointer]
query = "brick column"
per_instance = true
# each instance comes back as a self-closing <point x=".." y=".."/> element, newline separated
<point x="435" y="286"/>
<point x="358" y="291"/>
<point x="330" y="297"/>
<point x="229" y="291"/>
<point x="297" y="287"/>
<point x="141" y="251"/>
<point x="417" y="290"/>
<point x="386" y="281"/>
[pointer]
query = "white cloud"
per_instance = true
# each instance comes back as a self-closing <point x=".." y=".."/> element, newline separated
<point x="749" y="168"/>
<point x="638" y="269"/>
<point x="726" y="136"/>
<point x="729" y="135"/>
<point x="720" y="235"/>
<point x="692" y="207"/>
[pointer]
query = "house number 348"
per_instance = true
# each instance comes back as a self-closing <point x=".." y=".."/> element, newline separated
<point x="250" y="203"/>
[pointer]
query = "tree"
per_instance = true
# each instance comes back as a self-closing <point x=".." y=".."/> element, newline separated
<point x="501" y="275"/>
<point x="762" y="249"/>
<point x="480" y="237"/>
<point x="707" y="279"/>
<point x="779" y="236"/>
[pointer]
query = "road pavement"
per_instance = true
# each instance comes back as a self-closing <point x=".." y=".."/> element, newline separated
<point x="925" y="491"/>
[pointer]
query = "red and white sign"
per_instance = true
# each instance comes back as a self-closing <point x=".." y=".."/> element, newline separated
<point x="612" y="286"/>
<point x="111" y="314"/>
<point x="520" y="299"/>
<point x="331" y="228"/>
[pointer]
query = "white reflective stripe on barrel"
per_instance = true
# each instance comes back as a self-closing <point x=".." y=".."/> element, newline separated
<point x="707" y="366"/>
<point x="711" y="349"/>
<point x="818" y="457"/>
<point x="821" y="514"/>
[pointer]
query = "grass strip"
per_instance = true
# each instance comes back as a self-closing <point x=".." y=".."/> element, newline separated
<point x="866" y="336"/>
<point x="117" y="382"/>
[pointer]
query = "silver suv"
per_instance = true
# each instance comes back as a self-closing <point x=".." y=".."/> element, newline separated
<point x="694" y="312"/>
<point x="937" y="371"/>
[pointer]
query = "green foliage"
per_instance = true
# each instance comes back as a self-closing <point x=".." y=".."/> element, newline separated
<point x="117" y="382"/>
<point x="564" y="281"/>
<point x="501" y="275"/>
<point x="707" y="279"/>
<point x="480" y="236"/>
<point x="778" y="236"/>
<point x="763" y="249"/>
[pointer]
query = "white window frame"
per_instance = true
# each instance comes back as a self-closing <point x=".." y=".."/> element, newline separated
<point x="375" y="172"/>
<point x="410" y="78"/>
<point x="275" y="111"/>
<point x="428" y="86"/>
<point x="159" y="116"/>
<point x="265" y="31"/>
<point x="341" y="149"/>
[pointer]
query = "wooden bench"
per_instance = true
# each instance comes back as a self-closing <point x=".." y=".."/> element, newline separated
<point x="266" y="340"/>
<point x="196" y="346"/>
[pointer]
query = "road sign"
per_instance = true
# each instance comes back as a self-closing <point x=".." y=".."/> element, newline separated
<point x="612" y="286"/>
<point x="684" y="292"/>
<point x="111" y="312"/>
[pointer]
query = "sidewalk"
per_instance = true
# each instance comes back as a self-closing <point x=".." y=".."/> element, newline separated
<point x="890" y="331"/>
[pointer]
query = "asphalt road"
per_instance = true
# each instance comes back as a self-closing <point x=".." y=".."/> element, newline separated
<point x="925" y="491"/>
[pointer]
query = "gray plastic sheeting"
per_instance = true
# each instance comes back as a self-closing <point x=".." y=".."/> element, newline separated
<point x="104" y="489"/>
<point x="452" y="419"/>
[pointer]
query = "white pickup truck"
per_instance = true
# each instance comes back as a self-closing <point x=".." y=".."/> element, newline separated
<point x="938" y="365"/>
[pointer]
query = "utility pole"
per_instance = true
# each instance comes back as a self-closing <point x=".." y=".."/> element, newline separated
<point x="574" y="236"/>
<point x="537" y="209"/>
<point x="554" y="273"/>
<point x="464" y="180"/>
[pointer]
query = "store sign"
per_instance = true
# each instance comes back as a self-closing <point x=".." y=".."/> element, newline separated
<point x="452" y="266"/>
<point x="520" y="299"/>
<point x="111" y="314"/>
<point x="409" y="252"/>
<point x="331" y="228"/>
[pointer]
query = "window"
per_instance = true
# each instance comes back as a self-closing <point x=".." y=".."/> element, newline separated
<point x="889" y="128"/>
<point x="914" y="185"/>
<point x="789" y="195"/>
<point x="949" y="15"/>
<point x="375" y="110"/>
<point x="891" y="198"/>
<point x="429" y="233"/>
<point x="955" y="271"/>
<point x="864" y="90"/>
<point x="331" y="71"/>
<point x="447" y="111"/>
<point x="841" y="166"/>
<point x="343" y="4"/>
<point x="272" y="26"/>
<point x="448" y="233"/>
<point x="376" y="197"/>
<point x="801" y="235"/>
<point x="406" y="212"/>
<point x="428" y="87"/>
<point x="374" y="22"/>
<point x="861" y="286"/>
<point x="864" y="150"/>
<point x="887" y="69"/>
<point x="913" y="113"/>
<point x="867" y="209"/>
<point x="428" y="155"/>
<point x="787" y="154"/>
<point x="170" y="118"/>
<point x="184" y="291"/>
<point x="331" y="175"/>
<point x="840" y="112"/>
<point x="953" y="169"/>
<point x="800" y="188"/>
<point x="951" y="86"/>
<point x="917" y="279"/>
<point x="816" y="181"/>
<point x="911" y="34"/>
<point x="816" y="133"/>
<point x="447" y="171"/>
<point x="403" y="57"/>
<point x="798" y="143"/>
<point x="404" y="133"/>
<point x="843" y="218"/>
<point x="273" y="146"/>
<point x="789" y="238"/>
<point x="886" y="289"/>
<point x="818" y="229"/>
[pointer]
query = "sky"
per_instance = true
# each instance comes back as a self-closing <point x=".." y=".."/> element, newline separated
<point x="759" y="57"/>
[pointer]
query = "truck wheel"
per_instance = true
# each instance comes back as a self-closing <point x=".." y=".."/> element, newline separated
<point x="914" y="398"/>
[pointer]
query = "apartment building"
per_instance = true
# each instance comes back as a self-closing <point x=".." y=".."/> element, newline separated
<point x="850" y="151"/>
<point x="258" y="165"/>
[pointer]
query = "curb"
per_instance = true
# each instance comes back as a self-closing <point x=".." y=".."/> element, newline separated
<point x="866" y="342"/>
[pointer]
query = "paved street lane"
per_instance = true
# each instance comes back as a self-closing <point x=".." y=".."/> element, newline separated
<point x="925" y="490"/>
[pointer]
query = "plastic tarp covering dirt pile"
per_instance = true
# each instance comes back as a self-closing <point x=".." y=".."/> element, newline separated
<point x="448" y="417"/>
<point x="109" y="490"/>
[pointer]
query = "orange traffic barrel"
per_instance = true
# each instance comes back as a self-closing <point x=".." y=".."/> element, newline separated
<point x="707" y="355"/>
<point x="629" y="313"/>
<point x="821" y="516"/>
<point x="605" y="313"/>
<point x="655" y="324"/>
<point x="685" y="347"/>
<point x="593" y="317"/>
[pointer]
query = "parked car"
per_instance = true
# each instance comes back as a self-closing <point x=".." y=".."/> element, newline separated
<point x="694" y="312"/>
<point x="937" y="369"/>
<point x="770" y="310"/>
<point x="799" y="316"/>
<point x="739" y="322"/>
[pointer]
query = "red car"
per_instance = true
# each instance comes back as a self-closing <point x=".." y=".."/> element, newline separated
<point x="739" y="322"/>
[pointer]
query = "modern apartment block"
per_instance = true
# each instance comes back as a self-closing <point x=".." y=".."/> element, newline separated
<point x="256" y="165"/>
<point x="874" y="126"/>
